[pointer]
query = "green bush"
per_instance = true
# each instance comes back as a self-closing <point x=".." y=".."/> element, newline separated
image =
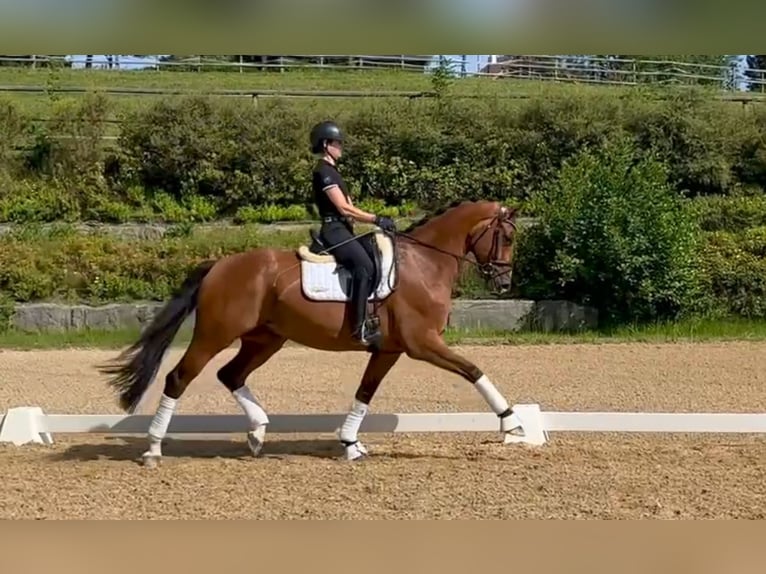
<point x="548" y="131"/>
<point x="398" y="152"/>
<point x="423" y="151"/>
<point x="271" y="213"/>
<point x="614" y="235"/>
<point x="60" y="264"/>
<point x="199" y="158"/>
<point x="749" y="150"/>
<point x="619" y="269"/>
<point x="735" y="267"/>
<point x="13" y="128"/>
<point x="730" y="213"/>
<point x="608" y="174"/>
<point x="695" y="135"/>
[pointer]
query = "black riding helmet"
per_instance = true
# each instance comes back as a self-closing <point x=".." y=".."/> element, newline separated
<point x="327" y="130"/>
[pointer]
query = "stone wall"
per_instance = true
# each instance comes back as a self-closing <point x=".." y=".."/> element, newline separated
<point x="511" y="315"/>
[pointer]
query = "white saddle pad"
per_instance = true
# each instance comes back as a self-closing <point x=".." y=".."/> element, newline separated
<point x="322" y="279"/>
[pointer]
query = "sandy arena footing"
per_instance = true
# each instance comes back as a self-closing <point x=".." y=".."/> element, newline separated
<point x="408" y="476"/>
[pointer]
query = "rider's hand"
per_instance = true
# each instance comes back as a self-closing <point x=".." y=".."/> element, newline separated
<point x="385" y="223"/>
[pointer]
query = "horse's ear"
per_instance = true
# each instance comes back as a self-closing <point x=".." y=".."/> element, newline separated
<point x="509" y="212"/>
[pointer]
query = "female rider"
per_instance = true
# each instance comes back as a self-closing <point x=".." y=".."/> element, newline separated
<point x="337" y="213"/>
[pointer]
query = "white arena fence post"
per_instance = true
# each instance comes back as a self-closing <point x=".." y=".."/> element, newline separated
<point x="23" y="425"/>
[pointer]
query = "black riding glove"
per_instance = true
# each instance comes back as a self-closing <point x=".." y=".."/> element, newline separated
<point x="385" y="223"/>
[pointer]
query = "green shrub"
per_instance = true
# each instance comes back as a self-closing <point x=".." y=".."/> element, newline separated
<point x="613" y="235"/>
<point x="730" y="213"/>
<point x="420" y="151"/>
<point x="271" y="213"/>
<point x="749" y="150"/>
<point x="35" y="200"/>
<point x="548" y="131"/>
<point x="735" y="267"/>
<point x="201" y="158"/>
<point x="694" y="134"/>
<point x="397" y="152"/>
<point x="13" y="128"/>
<point x="64" y="265"/>
<point x="61" y="264"/>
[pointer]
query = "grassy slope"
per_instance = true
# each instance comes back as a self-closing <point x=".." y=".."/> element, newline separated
<point x="293" y="79"/>
<point x="354" y="80"/>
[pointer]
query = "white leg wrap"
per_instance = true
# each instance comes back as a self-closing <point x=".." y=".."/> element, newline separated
<point x="489" y="392"/>
<point x="350" y="428"/>
<point x="251" y="406"/>
<point x="510" y="423"/>
<point x="161" y="420"/>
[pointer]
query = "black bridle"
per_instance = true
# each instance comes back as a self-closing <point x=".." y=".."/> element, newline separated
<point x="494" y="267"/>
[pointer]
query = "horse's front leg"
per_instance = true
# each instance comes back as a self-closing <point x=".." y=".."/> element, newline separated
<point x="431" y="348"/>
<point x="377" y="368"/>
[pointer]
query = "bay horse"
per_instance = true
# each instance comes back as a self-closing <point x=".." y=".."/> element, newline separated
<point x="267" y="296"/>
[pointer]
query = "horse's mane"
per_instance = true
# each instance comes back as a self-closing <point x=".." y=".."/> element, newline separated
<point x="434" y="213"/>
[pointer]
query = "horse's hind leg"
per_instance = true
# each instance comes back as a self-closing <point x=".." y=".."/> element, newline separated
<point x="377" y="368"/>
<point x="257" y="348"/>
<point x="197" y="355"/>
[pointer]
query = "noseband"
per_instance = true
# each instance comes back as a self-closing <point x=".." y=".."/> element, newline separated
<point x="494" y="267"/>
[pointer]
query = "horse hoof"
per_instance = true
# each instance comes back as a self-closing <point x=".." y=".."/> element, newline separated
<point x="151" y="460"/>
<point x="356" y="458"/>
<point x="356" y="452"/>
<point x="513" y="438"/>
<point x="255" y="445"/>
<point x="255" y="440"/>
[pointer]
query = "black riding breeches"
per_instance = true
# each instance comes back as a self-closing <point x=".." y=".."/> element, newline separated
<point x="355" y="255"/>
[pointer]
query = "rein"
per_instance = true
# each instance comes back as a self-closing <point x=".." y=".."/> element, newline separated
<point x="487" y="269"/>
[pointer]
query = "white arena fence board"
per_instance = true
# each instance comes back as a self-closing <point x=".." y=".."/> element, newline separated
<point x="655" y="422"/>
<point x="283" y="423"/>
<point x="30" y="424"/>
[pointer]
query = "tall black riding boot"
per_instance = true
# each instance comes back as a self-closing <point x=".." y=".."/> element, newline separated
<point x="362" y="287"/>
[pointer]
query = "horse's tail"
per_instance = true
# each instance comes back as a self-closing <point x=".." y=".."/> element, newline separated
<point x="136" y="367"/>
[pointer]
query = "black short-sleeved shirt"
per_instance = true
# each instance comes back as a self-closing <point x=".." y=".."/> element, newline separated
<point x="325" y="176"/>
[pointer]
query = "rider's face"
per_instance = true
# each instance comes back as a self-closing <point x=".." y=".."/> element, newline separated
<point x="335" y="149"/>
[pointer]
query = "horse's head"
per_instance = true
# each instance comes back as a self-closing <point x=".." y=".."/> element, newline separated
<point x="492" y="243"/>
